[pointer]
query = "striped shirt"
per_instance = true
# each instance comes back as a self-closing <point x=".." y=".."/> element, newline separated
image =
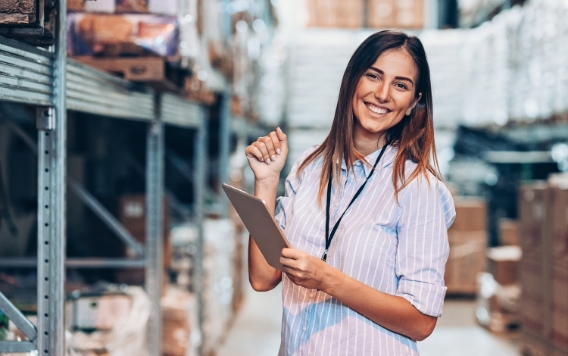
<point x="400" y="249"/>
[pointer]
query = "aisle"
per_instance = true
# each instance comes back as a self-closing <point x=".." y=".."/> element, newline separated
<point x="256" y="331"/>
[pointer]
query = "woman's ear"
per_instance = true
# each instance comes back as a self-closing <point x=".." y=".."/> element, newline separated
<point x="413" y="105"/>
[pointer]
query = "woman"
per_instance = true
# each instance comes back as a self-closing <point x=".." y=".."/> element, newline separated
<point x="366" y="212"/>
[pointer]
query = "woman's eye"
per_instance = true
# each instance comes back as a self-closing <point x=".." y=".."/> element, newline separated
<point x="401" y="86"/>
<point x="372" y="76"/>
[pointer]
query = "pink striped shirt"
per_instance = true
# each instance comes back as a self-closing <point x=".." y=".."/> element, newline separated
<point x="400" y="249"/>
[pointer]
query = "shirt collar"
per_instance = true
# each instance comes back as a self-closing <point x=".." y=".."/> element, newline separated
<point x="386" y="160"/>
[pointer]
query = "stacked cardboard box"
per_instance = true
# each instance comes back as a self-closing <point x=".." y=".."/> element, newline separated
<point x="132" y="215"/>
<point x="468" y="242"/>
<point x="558" y="223"/>
<point x="509" y="232"/>
<point x="335" y="13"/>
<point x="543" y="232"/>
<point x="396" y="13"/>
<point x="362" y="13"/>
<point x="499" y="291"/>
<point x="532" y="203"/>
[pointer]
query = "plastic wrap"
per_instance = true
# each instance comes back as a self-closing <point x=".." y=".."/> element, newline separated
<point x="122" y="35"/>
<point x="126" y="338"/>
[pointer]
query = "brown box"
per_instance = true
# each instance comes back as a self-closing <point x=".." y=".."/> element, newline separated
<point x="503" y="264"/>
<point x="335" y="13"/>
<point x="558" y="214"/>
<point x="533" y="346"/>
<point x="132" y="215"/>
<point x="534" y="271"/>
<point x="509" y="232"/>
<point x="466" y="260"/>
<point x="559" y="308"/>
<point x="559" y="223"/>
<point x="471" y="214"/>
<point x="396" y="13"/>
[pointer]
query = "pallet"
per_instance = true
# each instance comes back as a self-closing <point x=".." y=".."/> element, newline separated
<point x="152" y="71"/>
<point x="30" y="21"/>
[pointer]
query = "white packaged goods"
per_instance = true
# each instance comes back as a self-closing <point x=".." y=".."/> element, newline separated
<point x="218" y="280"/>
<point x="125" y="338"/>
<point x="510" y="68"/>
<point x="317" y="63"/>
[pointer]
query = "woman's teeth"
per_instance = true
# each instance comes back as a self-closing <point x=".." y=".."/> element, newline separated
<point x="376" y="109"/>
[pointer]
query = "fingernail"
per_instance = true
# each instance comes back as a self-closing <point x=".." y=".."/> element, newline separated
<point x="273" y="157"/>
<point x="268" y="161"/>
<point x="262" y="159"/>
<point x="278" y="151"/>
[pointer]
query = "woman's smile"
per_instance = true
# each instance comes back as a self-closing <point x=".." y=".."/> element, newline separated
<point x="377" y="109"/>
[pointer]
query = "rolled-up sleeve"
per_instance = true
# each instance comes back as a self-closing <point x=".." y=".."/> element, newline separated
<point x="426" y="212"/>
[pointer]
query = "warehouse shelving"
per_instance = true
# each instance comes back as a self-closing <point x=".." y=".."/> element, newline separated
<point x="54" y="84"/>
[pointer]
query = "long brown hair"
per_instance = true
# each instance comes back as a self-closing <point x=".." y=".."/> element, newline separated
<point x="413" y="135"/>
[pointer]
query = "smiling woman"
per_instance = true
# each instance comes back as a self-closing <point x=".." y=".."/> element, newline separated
<point x="365" y="276"/>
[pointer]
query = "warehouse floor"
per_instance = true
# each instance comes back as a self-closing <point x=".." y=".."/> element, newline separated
<point x="256" y="331"/>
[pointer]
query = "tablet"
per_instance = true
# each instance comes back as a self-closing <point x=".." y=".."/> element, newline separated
<point x="260" y="223"/>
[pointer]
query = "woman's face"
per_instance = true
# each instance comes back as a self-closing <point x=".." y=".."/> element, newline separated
<point x="384" y="94"/>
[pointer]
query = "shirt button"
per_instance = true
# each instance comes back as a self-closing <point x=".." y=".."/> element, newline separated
<point x="312" y="295"/>
<point x="305" y="328"/>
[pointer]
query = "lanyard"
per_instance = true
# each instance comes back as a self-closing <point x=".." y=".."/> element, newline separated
<point x="328" y="236"/>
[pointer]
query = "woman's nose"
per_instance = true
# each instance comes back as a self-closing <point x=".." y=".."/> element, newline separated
<point x="382" y="92"/>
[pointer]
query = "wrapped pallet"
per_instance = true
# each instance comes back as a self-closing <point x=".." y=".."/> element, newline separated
<point x="122" y="35"/>
<point x="218" y="265"/>
<point x="180" y="329"/>
<point x="110" y="325"/>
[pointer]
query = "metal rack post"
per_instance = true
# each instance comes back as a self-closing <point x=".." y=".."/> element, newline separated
<point x="154" y="233"/>
<point x="200" y="172"/>
<point x="224" y="151"/>
<point x="52" y="126"/>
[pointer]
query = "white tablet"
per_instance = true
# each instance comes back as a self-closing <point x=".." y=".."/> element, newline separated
<point x="260" y="223"/>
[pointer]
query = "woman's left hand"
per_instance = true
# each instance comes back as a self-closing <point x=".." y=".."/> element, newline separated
<point x="304" y="269"/>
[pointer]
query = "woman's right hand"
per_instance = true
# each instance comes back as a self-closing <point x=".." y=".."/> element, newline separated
<point x="267" y="156"/>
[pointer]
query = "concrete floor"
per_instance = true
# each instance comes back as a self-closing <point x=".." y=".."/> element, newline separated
<point x="256" y="331"/>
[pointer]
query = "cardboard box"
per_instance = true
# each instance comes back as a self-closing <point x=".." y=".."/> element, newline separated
<point x="534" y="271"/>
<point x="533" y="346"/>
<point x="396" y="13"/>
<point x="509" y="232"/>
<point x="559" y="329"/>
<point x="132" y="215"/>
<point x="559" y="226"/>
<point x="466" y="260"/>
<point x="471" y="214"/>
<point x="335" y="13"/>
<point x="503" y="264"/>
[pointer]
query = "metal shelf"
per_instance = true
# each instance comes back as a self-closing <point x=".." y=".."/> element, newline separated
<point x="181" y="112"/>
<point x="26" y="73"/>
<point x="32" y="76"/>
<point x="92" y="91"/>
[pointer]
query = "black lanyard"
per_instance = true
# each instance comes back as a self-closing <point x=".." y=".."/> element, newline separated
<point x="328" y="236"/>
